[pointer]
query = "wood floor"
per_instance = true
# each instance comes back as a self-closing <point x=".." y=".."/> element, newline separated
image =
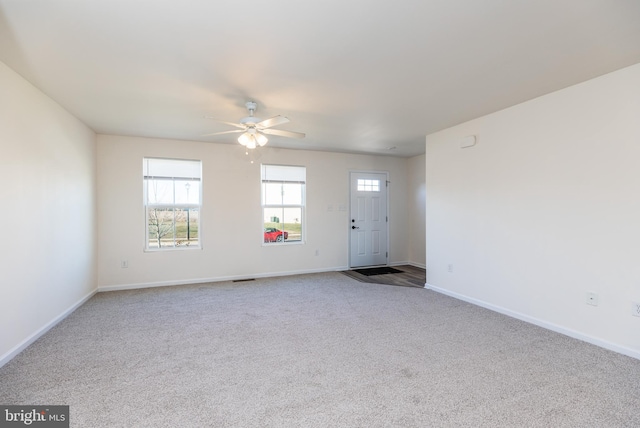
<point x="410" y="276"/>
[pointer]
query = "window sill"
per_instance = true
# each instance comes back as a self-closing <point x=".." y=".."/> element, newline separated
<point x="162" y="250"/>
<point x="282" y="244"/>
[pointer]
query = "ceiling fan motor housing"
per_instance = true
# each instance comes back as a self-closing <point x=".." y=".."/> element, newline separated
<point x="251" y="119"/>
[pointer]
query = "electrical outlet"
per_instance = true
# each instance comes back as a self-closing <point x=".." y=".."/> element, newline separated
<point x="635" y="309"/>
<point x="450" y="268"/>
<point x="592" y="298"/>
<point x="124" y="264"/>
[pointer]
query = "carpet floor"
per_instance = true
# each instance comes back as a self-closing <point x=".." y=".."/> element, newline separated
<point x="319" y="350"/>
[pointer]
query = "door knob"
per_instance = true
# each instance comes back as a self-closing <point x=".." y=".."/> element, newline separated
<point x="355" y="227"/>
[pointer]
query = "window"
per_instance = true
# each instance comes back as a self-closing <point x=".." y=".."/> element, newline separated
<point x="283" y="202"/>
<point x="366" y="185"/>
<point x="172" y="195"/>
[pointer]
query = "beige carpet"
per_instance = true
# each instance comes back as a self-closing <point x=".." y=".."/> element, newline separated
<point x="318" y="350"/>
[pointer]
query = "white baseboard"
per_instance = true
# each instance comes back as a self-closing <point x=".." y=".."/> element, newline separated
<point x="540" y="323"/>
<point x="418" y="265"/>
<point x="135" y="286"/>
<point x="35" y="336"/>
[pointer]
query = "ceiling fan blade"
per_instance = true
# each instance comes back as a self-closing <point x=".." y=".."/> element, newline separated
<point x="237" y="125"/>
<point x="274" y="121"/>
<point x="282" y="133"/>
<point x="224" y="132"/>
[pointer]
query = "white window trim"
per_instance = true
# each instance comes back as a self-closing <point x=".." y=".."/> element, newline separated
<point x="146" y="206"/>
<point x="303" y="208"/>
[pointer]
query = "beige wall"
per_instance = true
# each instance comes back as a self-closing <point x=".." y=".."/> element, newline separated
<point x="231" y="215"/>
<point x="544" y="209"/>
<point x="417" y="206"/>
<point x="47" y="165"/>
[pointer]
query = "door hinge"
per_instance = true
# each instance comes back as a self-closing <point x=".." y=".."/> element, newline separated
<point x="387" y="254"/>
<point x="387" y="217"/>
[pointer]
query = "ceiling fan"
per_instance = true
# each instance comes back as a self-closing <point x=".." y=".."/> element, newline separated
<point x="254" y="129"/>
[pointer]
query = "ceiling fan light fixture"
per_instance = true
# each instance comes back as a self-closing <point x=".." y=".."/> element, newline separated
<point x="245" y="138"/>
<point x="252" y="143"/>
<point x="251" y="139"/>
<point x="261" y="139"/>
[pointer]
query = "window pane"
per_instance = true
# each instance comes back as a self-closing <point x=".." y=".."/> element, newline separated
<point x="272" y="193"/>
<point x="365" y="185"/>
<point x="292" y="193"/>
<point x="161" y="227"/>
<point x="292" y="223"/>
<point x="282" y="224"/>
<point x="159" y="191"/>
<point x="187" y="192"/>
<point x="186" y="227"/>
<point x="273" y="225"/>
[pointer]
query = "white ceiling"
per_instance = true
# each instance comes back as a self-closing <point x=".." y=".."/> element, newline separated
<point x="354" y="75"/>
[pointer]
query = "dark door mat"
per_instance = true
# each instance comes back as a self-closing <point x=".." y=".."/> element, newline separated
<point x="409" y="276"/>
<point x="377" y="271"/>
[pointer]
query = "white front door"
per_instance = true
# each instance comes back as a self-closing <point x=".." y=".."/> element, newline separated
<point x="368" y="222"/>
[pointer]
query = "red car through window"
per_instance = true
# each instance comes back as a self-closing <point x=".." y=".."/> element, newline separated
<point x="271" y="234"/>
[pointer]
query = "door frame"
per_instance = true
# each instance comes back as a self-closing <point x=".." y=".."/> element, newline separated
<point x="348" y="227"/>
